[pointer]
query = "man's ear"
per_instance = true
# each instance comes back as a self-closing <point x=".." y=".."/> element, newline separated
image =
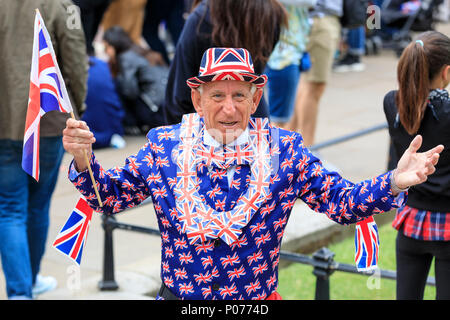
<point x="446" y="73"/>
<point x="196" y="101"/>
<point x="256" y="99"/>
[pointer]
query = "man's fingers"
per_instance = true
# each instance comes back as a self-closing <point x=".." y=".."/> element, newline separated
<point x="76" y="128"/>
<point x="415" y="144"/>
<point x="83" y="125"/>
<point x="422" y="177"/>
<point x="435" y="158"/>
<point x="73" y="124"/>
<point x="431" y="170"/>
<point x="75" y="146"/>
<point x="420" y="165"/>
<point x="436" y="150"/>
<point x="76" y="136"/>
<point x="429" y="166"/>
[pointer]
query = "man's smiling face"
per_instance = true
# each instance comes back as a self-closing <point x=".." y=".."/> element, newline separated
<point x="226" y="107"/>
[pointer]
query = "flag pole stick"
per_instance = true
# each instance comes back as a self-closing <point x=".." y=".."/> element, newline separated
<point x="100" y="203"/>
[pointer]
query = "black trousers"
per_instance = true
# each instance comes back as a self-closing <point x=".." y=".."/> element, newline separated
<point x="414" y="259"/>
<point x="156" y="11"/>
<point x="91" y="15"/>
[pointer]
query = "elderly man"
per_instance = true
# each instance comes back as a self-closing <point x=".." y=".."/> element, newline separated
<point x="223" y="185"/>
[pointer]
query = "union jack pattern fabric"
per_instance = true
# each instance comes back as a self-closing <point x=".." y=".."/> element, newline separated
<point x="226" y="64"/>
<point x="197" y="263"/>
<point x="73" y="235"/>
<point x="367" y="244"/>
<point x="47" y="93"/>
<point x="203" y="221"/>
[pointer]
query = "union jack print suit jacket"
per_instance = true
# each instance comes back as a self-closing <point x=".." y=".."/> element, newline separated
<point x="225" y="244"/>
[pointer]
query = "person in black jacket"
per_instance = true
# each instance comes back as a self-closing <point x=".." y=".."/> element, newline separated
<point x="251" y="24"/>
<point x="140" y="85"/>
<point x="91" y="12"/>
<point x="169" y="11"/>
<point x="421" y="106"/>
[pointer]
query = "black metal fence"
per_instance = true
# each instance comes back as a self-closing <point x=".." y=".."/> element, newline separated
<point x="321" y="260"/>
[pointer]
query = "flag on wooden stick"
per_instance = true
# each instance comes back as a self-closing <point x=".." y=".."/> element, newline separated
<point x="73" y="235"/>
<point x="367" y="244"/>
<point x="47" y="93"/>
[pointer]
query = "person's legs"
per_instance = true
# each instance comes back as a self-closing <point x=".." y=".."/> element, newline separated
<point x="13" y="216"/>
<point x="175" y="20"/>
<point x="356" y="41"/>
<point x="51" y="153"/>
<point x="91" y="13"/>
<point x="307" y="108"/>
<point x="98" y="11"/>
<point x="442" y="269"/>
<point x="351" y="61"/>
<point x="323" y="41"/>
<point x="413" y="265"/>
<point x="282" y="89"/>
<point x="154" y="10"/>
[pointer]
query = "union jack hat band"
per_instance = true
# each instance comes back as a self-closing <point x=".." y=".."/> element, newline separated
<point x="226" y="64"/>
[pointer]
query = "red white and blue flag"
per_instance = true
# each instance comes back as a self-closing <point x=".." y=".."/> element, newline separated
<point x="47" y="93"/>
<point x="72" y="237"/>
<point x="367" y="244"/>
<point x="226" y="64"/>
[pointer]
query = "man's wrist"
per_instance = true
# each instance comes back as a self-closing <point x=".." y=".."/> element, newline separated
<point x="80" y="163"/>
<point x="395" y="188"/>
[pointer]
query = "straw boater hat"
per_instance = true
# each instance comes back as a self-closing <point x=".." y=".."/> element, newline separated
<point x="227" y="64"/>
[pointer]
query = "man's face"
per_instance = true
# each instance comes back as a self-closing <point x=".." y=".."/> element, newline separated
<point x="226" y="107"/>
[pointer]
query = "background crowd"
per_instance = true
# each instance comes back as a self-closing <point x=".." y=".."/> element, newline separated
<point x="308" y="37"/>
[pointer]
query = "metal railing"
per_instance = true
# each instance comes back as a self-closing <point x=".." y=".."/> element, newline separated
<point x="347" y="137"/>
<point x="321" y="260"/>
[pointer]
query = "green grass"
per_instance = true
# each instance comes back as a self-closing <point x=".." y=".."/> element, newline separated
<point x="296" y="282"/>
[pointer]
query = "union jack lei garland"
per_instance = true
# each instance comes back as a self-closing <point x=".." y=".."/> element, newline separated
<point x="198" y="220"/>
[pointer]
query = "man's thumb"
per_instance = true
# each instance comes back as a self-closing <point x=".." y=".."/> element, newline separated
<point x="415" y="144"/>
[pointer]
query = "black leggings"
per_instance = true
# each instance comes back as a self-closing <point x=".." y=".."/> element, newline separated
<point x="414" y="258"/>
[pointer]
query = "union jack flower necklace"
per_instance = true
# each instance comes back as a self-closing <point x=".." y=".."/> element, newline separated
<point x="199" y="221"/>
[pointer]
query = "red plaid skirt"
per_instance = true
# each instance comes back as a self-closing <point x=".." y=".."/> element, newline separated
<point x="422" y="224"/>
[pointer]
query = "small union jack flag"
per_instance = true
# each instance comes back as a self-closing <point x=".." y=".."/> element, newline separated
<point x="367" y="244"/>
<point x="72" y="237"/>
<point x="47" y="93"/>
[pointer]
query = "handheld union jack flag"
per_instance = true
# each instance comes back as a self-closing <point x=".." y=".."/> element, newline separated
<point x="47" y="93"/>
<point x="72" y="237"/>
<point x="367" y="244"/>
